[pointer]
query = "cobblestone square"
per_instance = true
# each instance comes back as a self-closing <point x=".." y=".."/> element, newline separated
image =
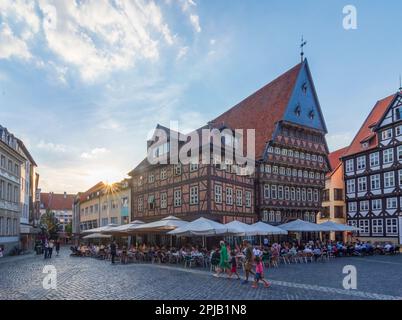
<point x="378" y="277"/>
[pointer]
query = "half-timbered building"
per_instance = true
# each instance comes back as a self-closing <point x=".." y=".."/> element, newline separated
<point x="373" y="173"/>
<point x="290" y="161"/>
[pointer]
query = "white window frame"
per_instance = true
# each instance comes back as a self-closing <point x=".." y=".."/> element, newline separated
<point x="229" y="196"/>
<point x="349" y="166"/>
<point x="376" y="204"/>
<point x="392" y="227"/>
<point x="350" y="186"/>
<point x="352" y="206"/>
<point x="386" y="134"/>
<point x="389" y="179"/>
<point x="163" y="200"/>
<point x="239" y="197"/>
<point x="218" y="193"/>
<point x="364" y="205"/>
<point x="267" y="194"/>
<point x="163" y="174"/>
<point x="193" y="195"/>
<point x="374" y="159"/>
<point x="177" y="169"/>
<point x="177" y="198"/>
<point x="361" y="163"/>
<point x="248" y="199"/>
<point x="375" y="182"/>
<point x="377" y="226"/>
<point x="388" y="156"/>
<point x="364" y="225"/>
<point x="392" y="203"/>
<point x="274" y="192"/>
<point x="362" y="184"/>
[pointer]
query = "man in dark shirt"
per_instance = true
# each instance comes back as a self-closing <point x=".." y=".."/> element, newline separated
<point x="248" y="262"/>
<point x="113" y="250"/>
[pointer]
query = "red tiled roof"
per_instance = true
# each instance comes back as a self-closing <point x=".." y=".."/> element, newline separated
<point x="334" y="158"/>
<point x="56" y="201"/>
<point x="262" y="110"/>
<point x="97" y="187"/>
<point x="366" y="129"/>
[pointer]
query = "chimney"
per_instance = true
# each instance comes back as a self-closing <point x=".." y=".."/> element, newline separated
<point x="65" y="195"/>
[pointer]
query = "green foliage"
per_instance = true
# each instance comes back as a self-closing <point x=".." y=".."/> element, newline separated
<point x="49" y="224"/>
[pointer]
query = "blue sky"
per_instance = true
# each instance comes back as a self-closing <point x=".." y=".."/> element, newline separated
<point x="84" y="82"/>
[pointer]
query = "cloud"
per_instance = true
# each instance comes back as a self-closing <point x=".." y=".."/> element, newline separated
<point x="52" y="147"/>
<point x="182" y="52"/>
<point x="12" y="46"/>
<point x="195" y="21"/>
<point x="94" y="153"/>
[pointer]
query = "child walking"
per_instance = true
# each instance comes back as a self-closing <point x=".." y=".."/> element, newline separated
<point x="233" y="264"/>
<point x="259" y="274"/>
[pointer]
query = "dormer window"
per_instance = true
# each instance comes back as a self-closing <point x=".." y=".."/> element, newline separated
<point x="298" y="110"/>
<point x="311" y="115"/>
<point x="304" y="88"/>
<point x="365" y="145"/>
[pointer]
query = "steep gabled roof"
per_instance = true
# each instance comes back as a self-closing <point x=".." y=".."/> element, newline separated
<point x="365" y="133"/>
<point x="57" y="201"/>
<point x="263" y="109"/>
<point x="335" y="159"/>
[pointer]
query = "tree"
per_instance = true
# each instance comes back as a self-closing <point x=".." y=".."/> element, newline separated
<point x="69" y="229"/>
<point x="49" y="224"/>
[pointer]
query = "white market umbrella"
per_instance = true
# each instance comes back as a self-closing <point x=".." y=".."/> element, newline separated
<point x="166" y="224"/>
<point x="123" y="229"/>
<point x="339" y="227"/>
<point x="97" y="236"/>
<point x="264" y="229"/>
<point x="303" y="226"/>
<point x="204" y="227"/>
<point x="101" y="229"/>
<point x="242" y="228"/>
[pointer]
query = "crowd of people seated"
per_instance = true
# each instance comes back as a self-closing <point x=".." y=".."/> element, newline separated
<point x="270" y="254"/>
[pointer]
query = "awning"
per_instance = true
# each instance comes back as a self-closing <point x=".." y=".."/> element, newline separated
<point x="303" y="226"/>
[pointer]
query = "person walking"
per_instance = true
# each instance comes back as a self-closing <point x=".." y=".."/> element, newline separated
<point x="248" y="261"/>
<point x="113" y="250"/>
<point x="46" y="249"/>
<point x="50" y="249"/>
<point x="224" y="260"/>
<point x="259" y="274"/>
<point x="57" y="247"/>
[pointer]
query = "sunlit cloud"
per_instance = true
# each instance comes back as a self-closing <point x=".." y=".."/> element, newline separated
<point x="94" y="153"/>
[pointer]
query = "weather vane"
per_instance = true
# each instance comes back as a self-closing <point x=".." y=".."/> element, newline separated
<point x="303" y="43"/>
<point x="400" y="83"/>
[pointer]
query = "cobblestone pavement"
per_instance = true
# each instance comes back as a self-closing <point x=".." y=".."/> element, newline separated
<point x="378" y="277"/>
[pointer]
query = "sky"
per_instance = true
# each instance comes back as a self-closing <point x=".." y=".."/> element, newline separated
<point x="84" y="82"/>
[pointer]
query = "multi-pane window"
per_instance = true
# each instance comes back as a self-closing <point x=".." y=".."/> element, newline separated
<point x="315" y="195"/>
<point x="352" y="207"/>
<point x="309" y="195"/>
<point x="375" y="182"/>
<point x="388" y="155"/>
<point x="280" y="192"/>
<point x="399" y="150"/>
<point x="292" y="194"/>
<point x="389" y="179"/>
<point x="218" y="193"/>
<point x="364" y="205"/>
<point x="229" y="196"/>
<point x="325" y="195"/>
<point x="248" y="199"/>
<point x="265" y="215"/>
<point x="392" y="226"/>
<point x="364" y="226"/>
<point x="151" y="202"/>
<point x="268" y="169"/>
<point x="164" y="200"/>
<point x="362" y="184"/>
<point x="266" y="191"/>
<point x="386" y="134"/>
<point x="239" y="197"/>
<point x="278" y="216"/>
<point x="298" y="194"/>
<point x="392" y="203"/>
<point x="193" y="167"/>
<point x="287" y="193"/>
<point x="140" y="204"/>
<point x="303" y="194"/>
<point x="398" y="130"/>
<point x="400" y="177"/>
<point x="282" y="171"/>
<point x="194" y="195"/>
<point x="374" y="159"/>
<point x="349" y="165"/>
<point x="275" y="170"/>
<point x="339" y="212"/>
<point x="177" y="169"/>
<point x="163" y="174"/>
<point x="274" y="194"/>
<point x="177" y="198"/>
<point x="338" y="194"/>
<point x="151" y="178"/>
<point x="376" y="204"/>
<point x="271" y="216"/>
<point x="377" y="226"/>
<point x="361" y="163"/>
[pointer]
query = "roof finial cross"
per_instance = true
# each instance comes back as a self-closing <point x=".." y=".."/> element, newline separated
<point x="302" y="45"/>
<point x="400" y="83"/>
